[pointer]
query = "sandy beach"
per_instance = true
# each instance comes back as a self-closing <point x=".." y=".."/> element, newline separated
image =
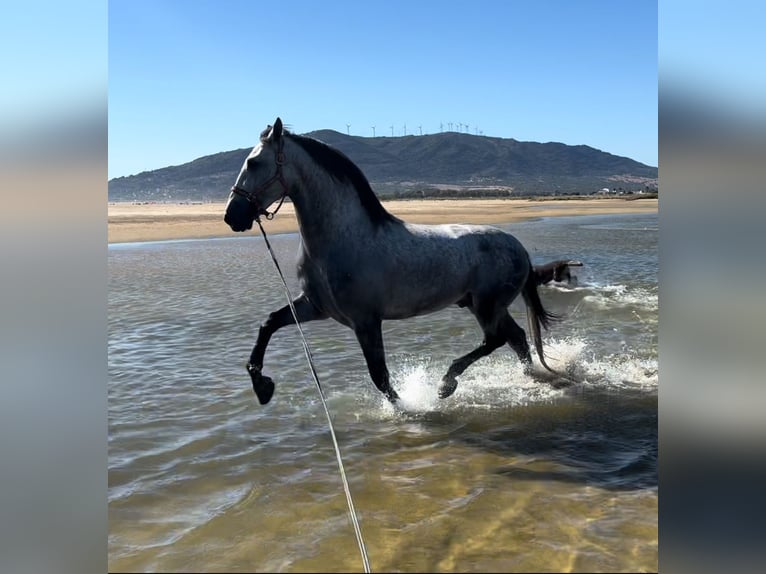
<point x="130" y="222"/>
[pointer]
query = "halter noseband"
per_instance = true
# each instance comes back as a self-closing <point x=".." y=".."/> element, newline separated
<point x="251" y="196"/>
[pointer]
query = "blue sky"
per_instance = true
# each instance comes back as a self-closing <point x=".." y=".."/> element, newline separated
<point x="191" y="78"/>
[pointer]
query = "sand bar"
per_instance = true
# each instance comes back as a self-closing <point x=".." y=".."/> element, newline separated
<point x="130" y="222"/>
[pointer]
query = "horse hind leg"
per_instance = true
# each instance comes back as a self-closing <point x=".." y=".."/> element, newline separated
<point x="517" y="340"/>
<point x="494" y="338"/>
<point x="498" y="331"/>
<point x="459" y="365"/>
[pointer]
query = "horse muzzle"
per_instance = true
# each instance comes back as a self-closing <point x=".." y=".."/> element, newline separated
<point x="242" y="219"/>
<point x="238" y="223"/>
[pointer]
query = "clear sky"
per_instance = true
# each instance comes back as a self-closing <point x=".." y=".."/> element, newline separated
<point x="192" y="78"/>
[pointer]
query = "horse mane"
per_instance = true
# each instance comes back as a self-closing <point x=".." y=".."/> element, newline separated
<point x="341" y="168"/>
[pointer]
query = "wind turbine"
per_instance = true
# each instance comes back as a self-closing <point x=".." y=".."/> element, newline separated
<point x="373" y="131"/>
<point x="348" y="127"/>
<point x="392" y="130"/>
<point x="421" y="130"/>
<point x="405" y="129"/>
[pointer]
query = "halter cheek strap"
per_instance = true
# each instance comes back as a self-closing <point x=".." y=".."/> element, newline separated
<point x="252" y="196"/>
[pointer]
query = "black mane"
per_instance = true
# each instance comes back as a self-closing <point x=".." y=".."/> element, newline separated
<point x="341" y="168"/>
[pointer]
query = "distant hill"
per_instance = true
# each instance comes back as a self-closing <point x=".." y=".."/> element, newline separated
<point x="443" y="164"/>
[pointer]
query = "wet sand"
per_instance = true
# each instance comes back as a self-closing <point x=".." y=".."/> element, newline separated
<point x="130" y="222"/>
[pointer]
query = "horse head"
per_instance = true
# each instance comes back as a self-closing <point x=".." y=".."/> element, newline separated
<point x="260" y="181"/>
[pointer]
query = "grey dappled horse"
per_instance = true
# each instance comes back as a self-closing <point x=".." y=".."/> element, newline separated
<point x="360" y="265"/>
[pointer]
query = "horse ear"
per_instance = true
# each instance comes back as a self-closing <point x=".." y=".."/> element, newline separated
<point x="276" y="131"/>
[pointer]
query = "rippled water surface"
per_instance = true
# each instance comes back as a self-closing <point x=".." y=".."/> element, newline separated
<point x="509" y="474"/>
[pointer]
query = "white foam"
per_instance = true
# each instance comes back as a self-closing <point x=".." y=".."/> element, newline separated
<point x="564" y="287"/>
<point x="613" y="296"/>
<point x="624" y="369"/>
<point x="619" y="371"/>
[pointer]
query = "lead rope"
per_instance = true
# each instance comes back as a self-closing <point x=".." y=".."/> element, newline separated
<point x="307" y="351"/>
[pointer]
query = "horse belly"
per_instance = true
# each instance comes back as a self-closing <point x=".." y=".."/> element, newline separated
<point x="416" y="294"/>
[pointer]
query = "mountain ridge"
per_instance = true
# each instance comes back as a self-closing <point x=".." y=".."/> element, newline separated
<point x="447" y="163"/>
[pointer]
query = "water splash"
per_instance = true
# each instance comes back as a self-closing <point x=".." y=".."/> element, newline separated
<point x="499" y="381"/>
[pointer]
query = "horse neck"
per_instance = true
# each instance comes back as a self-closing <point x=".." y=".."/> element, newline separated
<point x="328" y="210"/>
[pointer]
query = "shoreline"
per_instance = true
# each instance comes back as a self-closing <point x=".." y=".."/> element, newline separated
<point x="132" y="223"/>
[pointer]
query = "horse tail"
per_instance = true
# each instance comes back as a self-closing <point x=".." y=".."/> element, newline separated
<point x="537" y="315"/>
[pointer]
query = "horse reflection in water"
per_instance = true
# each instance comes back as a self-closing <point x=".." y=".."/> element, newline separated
<point x="360" y="265"/>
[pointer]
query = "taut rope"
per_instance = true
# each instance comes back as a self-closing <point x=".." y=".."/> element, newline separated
<point x="307" y="351"/>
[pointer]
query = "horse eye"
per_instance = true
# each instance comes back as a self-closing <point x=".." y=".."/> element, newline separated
<point x="251" y="163"/>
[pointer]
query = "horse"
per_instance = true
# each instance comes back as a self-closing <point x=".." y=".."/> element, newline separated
<point x="555" y="271"/>
<point x="360" y="265"/>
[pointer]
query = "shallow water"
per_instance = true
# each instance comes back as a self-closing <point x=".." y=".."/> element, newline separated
<point x="509" y="474"/>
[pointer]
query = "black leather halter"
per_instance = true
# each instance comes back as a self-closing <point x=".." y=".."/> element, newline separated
<point x="252" y="196"/>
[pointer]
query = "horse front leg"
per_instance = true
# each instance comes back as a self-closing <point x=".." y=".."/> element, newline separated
<point x="263" y="386"/>
<point x="370" y="337"/>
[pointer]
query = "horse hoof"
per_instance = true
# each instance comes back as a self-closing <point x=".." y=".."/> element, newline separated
<point x="264" y="390"/>
<point x="447" y="388"/>
<point x="262" y="386"/>
<point x="393" y="398"/>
